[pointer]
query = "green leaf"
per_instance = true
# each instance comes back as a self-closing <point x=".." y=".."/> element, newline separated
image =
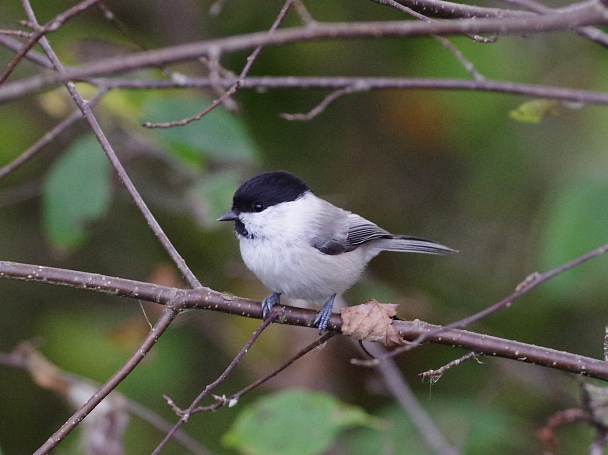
<point x="535" y="110"/>
<point x="76" y="192"/>
<point x="577" y="224"/>
<point x="293" y="422"/>
<point x="212" y="196"/>
<point x="219" y="135"/>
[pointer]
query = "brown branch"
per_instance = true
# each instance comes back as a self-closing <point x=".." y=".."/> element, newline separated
<point x="449" y="10"/>
<point x="587" y="13"/>
<point x="533" y="280"/>
<point x="250" y="60"/>
<point x="501" y="347"/>
<point x="50" y="26"/>
<point x="444" y="42"/>
<point x="402" y="393"/>
<point x="13" y="90"/>
<point x="85" y="108"/>
<point x="32" y="151"/>
<point x="140" y="353"/>
<point x="591" y="33"/>
<point x="49" y="376"/>
<point x="171" y="310"/>
<point x="208" y="299"/>
<point x="185" y="414"/>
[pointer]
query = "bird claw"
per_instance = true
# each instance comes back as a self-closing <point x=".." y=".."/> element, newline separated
<point x="324" y="315"/>
<point x="268" y="303"/>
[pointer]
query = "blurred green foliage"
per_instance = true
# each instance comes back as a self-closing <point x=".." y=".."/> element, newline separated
<point x="221" y="138"/>
<point x="76" y="192"/>
<point x="266" y="427"/>
<point x="513" y="197"/>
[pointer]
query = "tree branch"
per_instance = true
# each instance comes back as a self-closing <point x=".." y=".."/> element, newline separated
<point x="208" y="299"/>
<point x="449" y="10"/>
<point x="85" y="108"/>
<point x="161" y="325"/>
<point x="585" y="13"/>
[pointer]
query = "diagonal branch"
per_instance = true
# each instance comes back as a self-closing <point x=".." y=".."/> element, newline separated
<point x="85" y="108"/>
<point x="47" y="138"/>
<point x="185" y="414"/>
<point x="161" y="325"/>
<point x="51" y="25"/>
<point x="232" y="90"/>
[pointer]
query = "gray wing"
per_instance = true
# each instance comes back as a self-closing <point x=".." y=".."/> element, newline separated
<point x="361" y="231"/>
<point x="340" y="231"/>
<point x="350" y="231"/>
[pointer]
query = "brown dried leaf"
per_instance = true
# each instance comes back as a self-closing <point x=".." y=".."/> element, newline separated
<point x="372" y="321"/>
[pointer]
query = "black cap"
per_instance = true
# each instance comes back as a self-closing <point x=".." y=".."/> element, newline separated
<point x="267" y="189"/>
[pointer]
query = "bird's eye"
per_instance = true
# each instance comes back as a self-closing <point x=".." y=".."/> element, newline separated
<point x="258" y="207"/>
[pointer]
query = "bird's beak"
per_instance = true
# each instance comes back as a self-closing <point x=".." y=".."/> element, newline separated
<point x="229" y="216"/>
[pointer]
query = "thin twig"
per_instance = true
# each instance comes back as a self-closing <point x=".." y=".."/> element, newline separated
<point x="85" y="108"/>
<point x="450" y="10"/>
<point x="401" y="391"/>
<point x="13" y="90"/>
<point x="20" y="33"/>
<point x="48" y="137"/>
<point x="50" y="26"/>
<point x="16" y="45"/>
<point x="185" y="414"/>
<point x="434" y="375"/>
<point x="250" y="60"/>
<point x="588" y="14"/>
<point x="319" y="108"/>
<point x="161" y="325"/>
<point x="235" y="396"/>
<point x="304" y="14"/>
<point x="532" y="281"/>
<point x="444" y="42"/>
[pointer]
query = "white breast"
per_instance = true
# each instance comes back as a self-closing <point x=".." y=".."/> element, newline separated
<point x="281" y="256"/>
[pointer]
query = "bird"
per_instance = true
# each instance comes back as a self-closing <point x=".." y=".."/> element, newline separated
<point x="303" y="247"/>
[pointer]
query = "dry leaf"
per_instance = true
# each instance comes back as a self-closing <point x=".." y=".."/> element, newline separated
<point x="372" y="321"/>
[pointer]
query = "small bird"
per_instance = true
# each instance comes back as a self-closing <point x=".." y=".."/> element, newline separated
<point x="303" y="247"/>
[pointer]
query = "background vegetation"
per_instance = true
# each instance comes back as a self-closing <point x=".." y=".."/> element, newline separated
<point x="513" y="197"/>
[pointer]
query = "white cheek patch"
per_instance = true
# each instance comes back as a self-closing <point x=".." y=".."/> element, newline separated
<point x="288" y="221"/>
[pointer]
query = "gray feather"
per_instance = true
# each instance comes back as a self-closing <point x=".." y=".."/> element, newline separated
<point x="341" y="231"/>
<point x="410" y="244"/>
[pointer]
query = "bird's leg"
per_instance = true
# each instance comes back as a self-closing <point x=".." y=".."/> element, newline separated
<point x="268" y="303"/>
<point x="324" y="314"/>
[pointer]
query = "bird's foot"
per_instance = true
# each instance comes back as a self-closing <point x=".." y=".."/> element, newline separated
<point x="324" y="314"/>
<point x="268" y="303"/>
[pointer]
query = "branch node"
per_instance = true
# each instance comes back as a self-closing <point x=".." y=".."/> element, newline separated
<point x="230" y="402"/>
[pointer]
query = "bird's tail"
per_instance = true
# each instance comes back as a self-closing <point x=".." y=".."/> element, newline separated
<point x="408" y="244"/>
